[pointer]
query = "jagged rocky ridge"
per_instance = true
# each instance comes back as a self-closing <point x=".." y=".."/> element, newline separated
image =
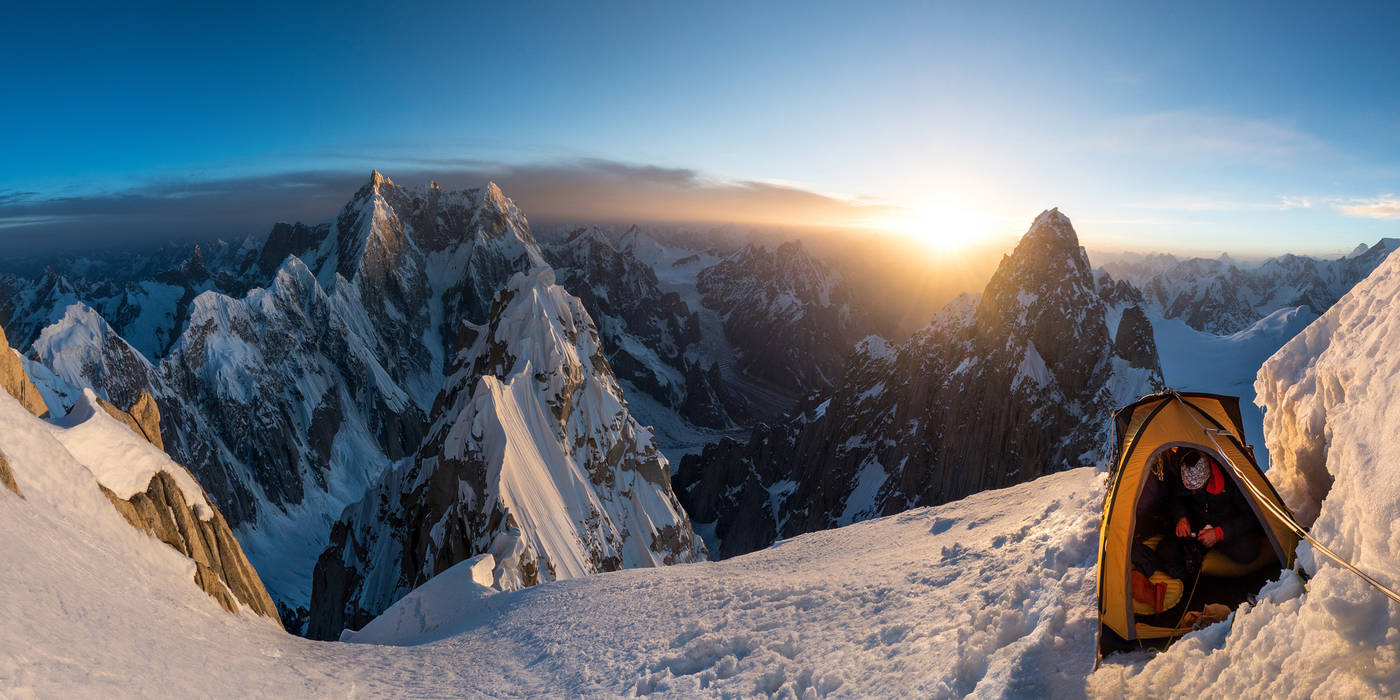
<point x="532" y="458"/>
<point x="1222" y="297"/>
<point x="1000" y="388"/>
<point x="651" y="337"/>
<point x="291" y="400"/>
<point x="789" y="317"/>
<point x="146" y="297"/>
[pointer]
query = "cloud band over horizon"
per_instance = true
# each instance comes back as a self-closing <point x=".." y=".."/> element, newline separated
<point x="578" y="191"/>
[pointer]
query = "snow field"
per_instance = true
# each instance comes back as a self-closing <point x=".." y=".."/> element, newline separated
<point x="991" y="595"/>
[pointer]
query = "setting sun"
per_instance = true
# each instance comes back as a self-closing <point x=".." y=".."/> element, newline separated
<point x="943" y="227"/>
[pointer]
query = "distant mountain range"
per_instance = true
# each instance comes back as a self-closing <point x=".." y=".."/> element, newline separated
<point x="1222" y="296"/>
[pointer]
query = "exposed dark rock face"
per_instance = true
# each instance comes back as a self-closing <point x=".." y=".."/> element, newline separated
<point x="787" y="315"/>
<point x="997" y="390"/>
<point x="1134" y="341"/>
<point x="650" y="336"/>
<point x="286" y="239"/>
<point x="533" y="457"/>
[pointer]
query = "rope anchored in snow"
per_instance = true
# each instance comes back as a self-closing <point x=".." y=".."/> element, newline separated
<point x="1285" y="516"/>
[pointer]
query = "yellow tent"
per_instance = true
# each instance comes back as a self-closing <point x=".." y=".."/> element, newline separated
<point x="1147" y="429"/>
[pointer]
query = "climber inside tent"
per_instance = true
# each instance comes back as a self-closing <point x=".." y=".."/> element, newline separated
<point x="1157" y="437"/>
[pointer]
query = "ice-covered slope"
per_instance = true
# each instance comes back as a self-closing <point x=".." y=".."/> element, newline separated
<point x="1332" y="398"/>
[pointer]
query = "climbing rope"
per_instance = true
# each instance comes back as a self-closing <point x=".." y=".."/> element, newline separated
<point x="1282" y="514"/>
<point x="1186" y="607"/>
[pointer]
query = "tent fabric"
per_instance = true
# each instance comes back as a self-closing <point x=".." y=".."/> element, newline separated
<point x="1206" y="422"/>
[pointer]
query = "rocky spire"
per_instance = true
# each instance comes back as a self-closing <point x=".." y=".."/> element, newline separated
<point x="986" y="397"/>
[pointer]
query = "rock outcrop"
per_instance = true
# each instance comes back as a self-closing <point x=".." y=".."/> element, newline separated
<point x="143" y="417"/>
<point x="222" y="569"/>
<point x="7" y="477"/>
<point x="997" y="390"/>
<point x="1134" y="340"/>
<point x="196" y="530"/>
<point x="16" y="381"/>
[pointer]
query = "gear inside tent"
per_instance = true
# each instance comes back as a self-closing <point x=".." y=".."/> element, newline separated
<point x="1155" y="436"/>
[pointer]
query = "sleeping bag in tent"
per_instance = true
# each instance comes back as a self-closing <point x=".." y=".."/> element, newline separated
<point x="1151" y="434"/>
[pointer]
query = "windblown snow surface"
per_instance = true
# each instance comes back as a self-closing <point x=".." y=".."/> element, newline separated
<point x="990" y="596"/>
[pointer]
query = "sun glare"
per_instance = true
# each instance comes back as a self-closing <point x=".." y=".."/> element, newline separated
<point x="945" y="228"/>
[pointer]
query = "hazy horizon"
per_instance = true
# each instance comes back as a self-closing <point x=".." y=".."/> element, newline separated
<point x="586" y="193"/>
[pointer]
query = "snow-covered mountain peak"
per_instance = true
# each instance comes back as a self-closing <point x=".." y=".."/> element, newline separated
<point x="1044" y="283"/>
<point x="536" y="324"/>
<point x="493" y="197"/>
<point x="1052" y="224"/>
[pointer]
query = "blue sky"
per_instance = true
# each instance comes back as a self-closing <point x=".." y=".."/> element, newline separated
<point x="1190" y="127"/>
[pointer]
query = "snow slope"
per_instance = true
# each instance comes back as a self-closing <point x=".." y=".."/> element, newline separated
<point x="1333" y="413"/>
<point x="991" y="595"/>
<point x="118" y="458"/>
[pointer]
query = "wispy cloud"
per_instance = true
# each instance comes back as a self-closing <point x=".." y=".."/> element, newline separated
<point x="1195" y="135"/>
<point x="1190" y="204"/>
<point x="1386" y="206"/>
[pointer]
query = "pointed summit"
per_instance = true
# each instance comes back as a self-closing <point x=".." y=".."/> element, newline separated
<point x="377" y="178"/>
<point x="494" y="199"/>
<point x="1052" y="224"/>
